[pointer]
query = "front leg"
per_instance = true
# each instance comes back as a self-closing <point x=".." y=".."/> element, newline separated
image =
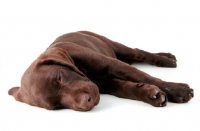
<point x="137" y="91"/>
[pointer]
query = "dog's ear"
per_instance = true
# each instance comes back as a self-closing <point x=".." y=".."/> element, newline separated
<point x="57" y="56"/>
<point x="13" y="91"/>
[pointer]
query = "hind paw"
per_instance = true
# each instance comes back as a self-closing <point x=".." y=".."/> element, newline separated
<point x="169" y="55"/>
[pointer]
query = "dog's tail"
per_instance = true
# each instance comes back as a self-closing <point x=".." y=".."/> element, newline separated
<point x="13" y="90"/>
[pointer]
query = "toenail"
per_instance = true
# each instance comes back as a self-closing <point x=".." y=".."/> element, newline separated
<point x="191" y="95"/>
<point x="140" y="84"/>
<point x="154" y="97"/>
<point x="163" y="98"/>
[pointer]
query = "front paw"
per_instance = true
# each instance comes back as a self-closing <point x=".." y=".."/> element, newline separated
<point x="179" y="92"/>
<point x="152" y="94"/>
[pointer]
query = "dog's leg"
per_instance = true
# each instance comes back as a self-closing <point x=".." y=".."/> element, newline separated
<point x="137" y="91"/>
<point x="95" y="64"/>
<point x="130" y="55"/>
<point x="176" y="92"/>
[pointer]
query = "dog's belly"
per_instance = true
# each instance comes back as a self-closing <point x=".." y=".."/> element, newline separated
<point x="87" y="41"/>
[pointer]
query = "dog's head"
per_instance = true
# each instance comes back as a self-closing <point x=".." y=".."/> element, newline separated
<point x="53" y="81"/>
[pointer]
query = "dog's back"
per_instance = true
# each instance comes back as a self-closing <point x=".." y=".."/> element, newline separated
<point x="87" y="41"/>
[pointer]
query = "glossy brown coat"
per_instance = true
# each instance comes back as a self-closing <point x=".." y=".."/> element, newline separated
<point x="78" y="66"/>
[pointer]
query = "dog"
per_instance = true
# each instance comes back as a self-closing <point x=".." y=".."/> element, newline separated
<point x="78" y="66"/>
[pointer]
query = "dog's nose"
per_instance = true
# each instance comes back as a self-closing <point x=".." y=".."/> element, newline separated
<point x="86" y="102"/>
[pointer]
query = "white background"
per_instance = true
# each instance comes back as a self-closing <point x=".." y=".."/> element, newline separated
<point x="28" y="27"/>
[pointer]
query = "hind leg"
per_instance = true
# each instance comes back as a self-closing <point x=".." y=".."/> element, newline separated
<point x="137" y="91"/>
<point x="130" y="55"/>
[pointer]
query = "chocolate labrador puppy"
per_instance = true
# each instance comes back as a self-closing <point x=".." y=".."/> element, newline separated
<point x="78" y="66"/>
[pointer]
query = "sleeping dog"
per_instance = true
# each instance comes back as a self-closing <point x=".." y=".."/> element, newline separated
<point x="78" y="66"/>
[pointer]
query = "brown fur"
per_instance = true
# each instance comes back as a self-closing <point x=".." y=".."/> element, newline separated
<point x="78" y="66"/>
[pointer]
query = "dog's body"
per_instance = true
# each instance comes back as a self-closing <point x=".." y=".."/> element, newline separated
<point x="78" y="66"/>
